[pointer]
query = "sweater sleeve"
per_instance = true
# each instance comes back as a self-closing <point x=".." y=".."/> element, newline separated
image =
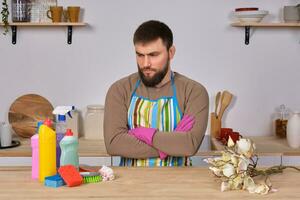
<point x="187" y="143"/>
<point x="117" y="140"/>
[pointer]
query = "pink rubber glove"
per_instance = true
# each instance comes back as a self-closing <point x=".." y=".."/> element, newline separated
<point x="185" y="124"/>
<point x="146" y="135"/>
<point x="162" y="155"/>
<point x="143" y="134"/>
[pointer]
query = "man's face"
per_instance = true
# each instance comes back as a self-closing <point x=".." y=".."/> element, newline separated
<point x="153" y="61"/>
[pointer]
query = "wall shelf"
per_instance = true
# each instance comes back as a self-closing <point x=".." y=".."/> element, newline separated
<point x="248" y="25"/>
<point x="29" y="24"/>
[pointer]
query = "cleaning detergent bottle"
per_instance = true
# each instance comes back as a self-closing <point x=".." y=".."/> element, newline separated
<point x="35" y="153"/>
<point x="69" y="150"/>
<point x="47" y="150"/>
<point x="60" y="129"/>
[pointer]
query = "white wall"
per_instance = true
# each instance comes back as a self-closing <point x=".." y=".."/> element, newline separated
<point x="262" y="75"/>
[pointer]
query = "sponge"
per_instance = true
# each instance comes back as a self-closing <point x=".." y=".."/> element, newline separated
<point x="70" y="175"/>
<point x="54" y="181"/>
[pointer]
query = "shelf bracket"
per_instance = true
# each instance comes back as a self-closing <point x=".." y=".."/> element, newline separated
<point x="14" y="34"/>
<point x="247" y="34"/>
<point x="70" y="31"/>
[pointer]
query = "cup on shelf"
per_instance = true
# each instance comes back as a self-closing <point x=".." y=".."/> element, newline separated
<point x="72" y="14"/>
<point x="55" y="13"/>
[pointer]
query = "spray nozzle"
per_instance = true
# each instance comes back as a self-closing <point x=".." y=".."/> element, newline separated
<point x="63" y="110"/>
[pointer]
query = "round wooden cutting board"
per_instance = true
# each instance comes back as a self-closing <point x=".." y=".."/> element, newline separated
<point x="26" y="111"/>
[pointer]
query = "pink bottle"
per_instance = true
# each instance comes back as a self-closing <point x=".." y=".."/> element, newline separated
<point x="35" y="154"/>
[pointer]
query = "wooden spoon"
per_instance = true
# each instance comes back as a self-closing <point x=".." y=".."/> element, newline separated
<point x="225" y="101"/>
<point x="217" y="103"/>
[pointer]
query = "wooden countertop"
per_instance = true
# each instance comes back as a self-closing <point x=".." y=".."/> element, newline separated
<point x="87" y="148"/>
<point x="265" y="146"/>
<point x="142" y="183"/>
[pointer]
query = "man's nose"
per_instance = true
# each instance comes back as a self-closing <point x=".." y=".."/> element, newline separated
<point x="147" y="61"/>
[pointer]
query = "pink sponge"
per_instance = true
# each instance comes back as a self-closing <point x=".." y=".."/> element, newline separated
<point x="70" y="175"/>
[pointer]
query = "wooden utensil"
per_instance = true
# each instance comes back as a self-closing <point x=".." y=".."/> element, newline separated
<point x="225" y="101"/>
<point x="217" y="103"/>
<point x="26" y="111"/>
<point x="215" y="126"/>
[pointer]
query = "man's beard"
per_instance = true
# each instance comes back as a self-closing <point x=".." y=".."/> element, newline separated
<point x="157" y="77"/>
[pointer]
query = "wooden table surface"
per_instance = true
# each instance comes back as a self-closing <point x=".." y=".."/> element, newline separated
<point x="143" y="183"/>
<point x="265" y="146"/>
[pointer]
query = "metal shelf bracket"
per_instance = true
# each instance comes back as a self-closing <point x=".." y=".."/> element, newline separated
<point x="247" y="35"/>
<point x="14" y="34"/>
<point x="70" y="31"/>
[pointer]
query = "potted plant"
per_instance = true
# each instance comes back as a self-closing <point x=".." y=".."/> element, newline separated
<point x="5" y="14"/>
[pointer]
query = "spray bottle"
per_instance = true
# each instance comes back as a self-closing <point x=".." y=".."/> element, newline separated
<point x="60" y="127"/>
<point x="47" y="150"/>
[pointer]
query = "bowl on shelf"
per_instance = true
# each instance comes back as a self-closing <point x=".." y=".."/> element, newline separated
<point x="250" y="16"/>
<point x="245" y="9"/>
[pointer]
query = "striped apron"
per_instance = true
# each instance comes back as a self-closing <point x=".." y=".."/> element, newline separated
<point x="162" y="114"/>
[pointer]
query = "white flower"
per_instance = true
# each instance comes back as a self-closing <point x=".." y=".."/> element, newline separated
<point x="242" y="165"/>
<point x="249" y="184"/>
<point x="228" y="170"/>
<point x="236" y="183"/>
<point x="230" y="142"/>
<point x="262" y="189"/>
<point x="234" y="160"/>
<point x="226" y="156"/>
<point x="245" y="147"/>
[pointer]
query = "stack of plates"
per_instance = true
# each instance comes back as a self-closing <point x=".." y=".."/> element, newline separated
<point x="250" y="14"/>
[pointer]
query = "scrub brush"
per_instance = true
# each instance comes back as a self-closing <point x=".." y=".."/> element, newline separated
<point x="91" y="177"/>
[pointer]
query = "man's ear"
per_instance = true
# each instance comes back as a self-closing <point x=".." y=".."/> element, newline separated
<point x="172" y="51"/>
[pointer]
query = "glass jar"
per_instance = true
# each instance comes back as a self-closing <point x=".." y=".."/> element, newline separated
<point x="20" y="10"/>
<point x="93" y="122"/>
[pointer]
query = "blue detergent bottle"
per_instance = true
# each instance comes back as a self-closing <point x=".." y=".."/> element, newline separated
<point x="60" y="128"/>
<point x="69" y="150"/>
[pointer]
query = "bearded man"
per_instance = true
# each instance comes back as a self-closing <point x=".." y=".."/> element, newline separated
<point x="155" y="117"/>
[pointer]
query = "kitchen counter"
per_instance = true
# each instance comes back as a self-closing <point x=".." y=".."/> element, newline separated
<point x="143" y="183"/>
<point x="265" y="146"/>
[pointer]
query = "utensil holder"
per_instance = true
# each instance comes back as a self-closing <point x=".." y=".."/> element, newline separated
<point x="215" y="126"/>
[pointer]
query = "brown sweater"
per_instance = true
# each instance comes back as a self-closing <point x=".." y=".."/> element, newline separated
<point x="192" y="99"/>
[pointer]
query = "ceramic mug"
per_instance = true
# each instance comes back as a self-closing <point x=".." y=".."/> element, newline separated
<point x="55" y="13"/>
<point x="72" y="14"/>
<point x="5" y="134"/>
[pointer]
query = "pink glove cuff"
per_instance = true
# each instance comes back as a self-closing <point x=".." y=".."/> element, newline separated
<point x="162" y="155"/>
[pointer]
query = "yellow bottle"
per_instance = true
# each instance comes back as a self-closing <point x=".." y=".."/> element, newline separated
<point x="47" y="151"/>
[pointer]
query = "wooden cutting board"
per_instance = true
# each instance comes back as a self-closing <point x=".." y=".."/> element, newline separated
<point x="26" y="111"/>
